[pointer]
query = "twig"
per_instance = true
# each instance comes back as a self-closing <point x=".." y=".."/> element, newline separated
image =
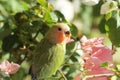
<point x="72" y="64"/>
<point x="112" y="47"/>
<point x="67" y="64"/>
<point x="68" y="57"/>
<point x="98" y="75"/>
<point x="62" y="74"/>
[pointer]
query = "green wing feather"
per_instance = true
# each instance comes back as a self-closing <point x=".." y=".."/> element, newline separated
<point x="47" y="58"/>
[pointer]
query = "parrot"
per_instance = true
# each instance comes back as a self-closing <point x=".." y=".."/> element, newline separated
<point x="50" y="52"/>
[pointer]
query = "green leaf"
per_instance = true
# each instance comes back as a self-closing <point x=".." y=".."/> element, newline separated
<point x="24" y="37"/>
<point x="60" y="16"/>
<point x="114" y="28"/>
<point x="96" y="9"/>
<point x="10" y="42"/>
<point x="105" y="65"/>
<point x="111" y="5"/>
<point x="47" y="17"/>
<point x="20" y="18"/>
<point x="114" y="78"/>
<point x="106" y="27"/>
<point x="102" y="25"/>
<point x="118" y="67"/>
<point x="108" y="16"/>
<point x="44" y="28"/>
<point x="42" y="2"/>
<point x="19" y="75"/>
<point x="74" y="30"/>
<point x="6" y="32"/>
<point x="54" y="16"/>
<point x="70" y="46"/>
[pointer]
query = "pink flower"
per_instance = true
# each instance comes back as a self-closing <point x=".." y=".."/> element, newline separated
<point x="92" y="46"/>
<point x="69" y="40"/>
<point x="93" y="66"/>
<point x="104" y="54"/>
<point x="89" y="44"/>
<point x="96" y="53"/>
<point x="9" y="68"/>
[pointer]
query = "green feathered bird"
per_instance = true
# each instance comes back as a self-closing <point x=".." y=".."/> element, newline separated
<point x="50" y="52"/>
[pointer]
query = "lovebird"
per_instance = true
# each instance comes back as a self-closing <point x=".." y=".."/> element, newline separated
<point x="50" y="52"/>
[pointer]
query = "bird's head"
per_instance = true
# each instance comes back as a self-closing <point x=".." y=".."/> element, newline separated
<point x="59" y="33"/>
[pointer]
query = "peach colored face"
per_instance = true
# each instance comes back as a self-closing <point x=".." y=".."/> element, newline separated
<point x="61" y="32"/>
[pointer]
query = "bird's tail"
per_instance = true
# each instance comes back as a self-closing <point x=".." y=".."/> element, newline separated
<point x="33" y="76"/>
<point x="30" y="70"/>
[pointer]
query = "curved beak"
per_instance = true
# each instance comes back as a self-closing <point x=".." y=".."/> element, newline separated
<point x="68" y="34"/>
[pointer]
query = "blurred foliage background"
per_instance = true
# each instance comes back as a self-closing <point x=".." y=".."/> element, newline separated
<point x="23" y="23"/>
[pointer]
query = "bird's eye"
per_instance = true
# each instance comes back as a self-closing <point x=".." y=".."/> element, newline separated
<point x="59" y="29"/>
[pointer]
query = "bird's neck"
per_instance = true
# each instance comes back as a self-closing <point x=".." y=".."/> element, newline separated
<point x="53" y="41"/>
